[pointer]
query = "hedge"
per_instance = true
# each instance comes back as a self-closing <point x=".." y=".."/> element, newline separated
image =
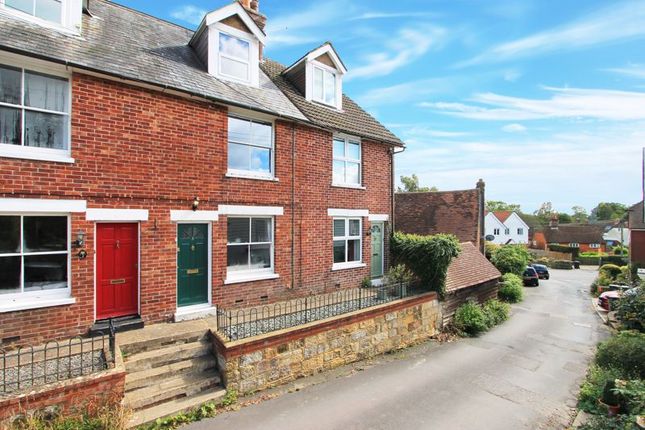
<point x="589" y="261"/>
<point x="615" y="259"/>
<point x="562" y="264"/>
<point x="566" y="249"/>
<point x="427" y="256"/>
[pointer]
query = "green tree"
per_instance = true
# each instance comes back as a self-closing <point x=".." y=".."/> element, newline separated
<point x="498" y="205"/>
<point x="606" y="211"/>
<point x="580" y="214"/>
<point x="544" y="213"/>
<point x="564" y="218"/>
<point x="511" y="259"/>
<point x="411" y="185"/>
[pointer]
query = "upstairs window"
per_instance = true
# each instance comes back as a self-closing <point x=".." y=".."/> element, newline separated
<point x="520" y="231"/>
<point x="234" y="57"/>
<point x="496" y="231"/>
<point x="507" y="231"/>
<point x="48" y="10"/>
<point x="347" y="162"/>
<point x="250" y="147"/>
<point x="324" y="86"/>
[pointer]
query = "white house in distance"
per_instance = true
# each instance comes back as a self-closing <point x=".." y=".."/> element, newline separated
<point x="506" y="227"/>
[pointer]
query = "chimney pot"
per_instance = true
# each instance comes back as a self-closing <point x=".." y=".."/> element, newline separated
<point x="246" y="3"/>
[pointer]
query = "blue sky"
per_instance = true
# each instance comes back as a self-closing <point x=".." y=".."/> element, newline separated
<point x="543" y="99"/>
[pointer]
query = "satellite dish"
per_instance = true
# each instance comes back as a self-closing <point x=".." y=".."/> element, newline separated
<point x="489" y="237"/>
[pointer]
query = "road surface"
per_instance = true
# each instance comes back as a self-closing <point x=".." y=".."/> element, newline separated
<point x="523" y="374"/>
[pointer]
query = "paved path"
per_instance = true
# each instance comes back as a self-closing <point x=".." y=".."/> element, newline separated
<point x="522" y="375"/>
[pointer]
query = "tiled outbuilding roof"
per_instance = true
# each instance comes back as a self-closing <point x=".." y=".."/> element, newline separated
<point x="352" y="119"/>
<point x="125" y="43"/>
<point x="575" y="233"/>
<point x="636" y="219"/>
<point x="470" y="268"/>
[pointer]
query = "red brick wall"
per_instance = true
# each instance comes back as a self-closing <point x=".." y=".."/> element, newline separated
<point x="69" y="396"/>
<point x="140" y="149"/>
<point x="637" y="246"/>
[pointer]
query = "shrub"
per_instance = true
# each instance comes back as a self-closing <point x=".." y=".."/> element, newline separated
<point x="511" y="290"/>
<point x="630" y="310"/>
<point x="496" y="312"/>
<point x="614" y="259"/>
<point x="562" y="264"/>
<point x="543" y="260"/>
<point x="624" y="352"/>
<point x="511" y="259"/>
<point x="610" y="270"/>
<point x="470" y="319"/>
<point x="591" y="388"/>
<point x="427" y="256"/>
<point x="399" y="273"/>
<point x="601" y="422"/>
<point x="490" y="249"/>
<point x="632" y="394"/>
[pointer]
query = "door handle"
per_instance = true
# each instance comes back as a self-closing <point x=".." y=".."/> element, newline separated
<point x="117" y="281"/>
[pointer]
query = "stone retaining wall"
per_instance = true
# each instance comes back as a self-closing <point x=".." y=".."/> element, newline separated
<point x="276" y="358"/>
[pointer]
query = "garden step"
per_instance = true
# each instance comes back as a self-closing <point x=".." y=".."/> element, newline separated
<point x="147" y="377"/>
<point x="167" y="355"/>
<point x="162" y="335"/>
<point x="172" y="388"/>
<point x="174" y="407"/>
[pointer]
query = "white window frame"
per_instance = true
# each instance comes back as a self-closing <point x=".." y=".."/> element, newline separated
<point x="43" y="298"/>
<point x="594" y="245"/>
<point x="520" y="230"/>
<point x="324" y="69"/>
<point x="29" y="152"/>
<point x="59" y="25"/>
<point x="345" y="159"/>
<point x="252" y="274"/>
<point x="574" y="245"/>
<point x="309" y="83"/>
<point x="346" y="237"/>
<point x="246" y="61"/>
<point x="251" y="174"/>
<point x="507" y="231"/>
<point x="496" y="231"/>
<point x="214" y="62"/>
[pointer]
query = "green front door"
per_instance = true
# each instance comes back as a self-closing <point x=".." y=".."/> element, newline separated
<point x="377" y="249"/>
<point x="192" y="264"/>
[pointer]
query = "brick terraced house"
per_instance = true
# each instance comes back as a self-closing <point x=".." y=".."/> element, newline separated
<point x="151" y="173"/>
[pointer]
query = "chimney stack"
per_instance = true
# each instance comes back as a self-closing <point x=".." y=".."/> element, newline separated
<point x="553" y="223"/>
<point x="253" y="8"/>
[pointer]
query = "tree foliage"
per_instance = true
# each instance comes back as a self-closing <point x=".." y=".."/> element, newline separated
<point x="564" y="218"/>
<point x="580" y="214"/>
<point x="511" y="259"/>
<point x="498" y="205"/>
<point x="606" y="211"/>
<point x="427" y="256"/>
<point x="411" y="185"/>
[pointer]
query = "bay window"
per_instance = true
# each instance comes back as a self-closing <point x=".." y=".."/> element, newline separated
<point x="347" y="240"/>
<point x="34" y="112"/>
<point x="250" y="147"/>
<point x="249" y="246"/>
<point x="347" y="161"/>
<point x="34" y="254"/>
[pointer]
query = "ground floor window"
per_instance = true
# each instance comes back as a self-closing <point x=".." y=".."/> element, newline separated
<point x="347" y="240"/>
<point x="250" y="245"/>
<point x="34" y="253"/>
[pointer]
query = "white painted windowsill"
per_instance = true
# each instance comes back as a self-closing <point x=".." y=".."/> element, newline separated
<point x="22" y="304"/>
<point x="250" y="278"/>
<point x="343" y="266"/>
<point x="63" y="157"/>
<point x="251" y="176"/>
<point x="350" y="186"/>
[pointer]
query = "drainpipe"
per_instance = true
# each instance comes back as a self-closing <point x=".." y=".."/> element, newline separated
<point x="293" y="204"/>
<point x="393" y="151"/>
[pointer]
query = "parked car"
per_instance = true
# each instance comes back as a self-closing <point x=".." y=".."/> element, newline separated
<point x="542" y="270"/>
<point x="530" y="277"/>
<point x="608" y="299"/>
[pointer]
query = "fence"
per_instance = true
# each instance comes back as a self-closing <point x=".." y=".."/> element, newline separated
<point x="30" y="366"/>
<point x="243" y="323"/>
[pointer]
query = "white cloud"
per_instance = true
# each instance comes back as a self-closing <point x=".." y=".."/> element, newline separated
<point x="514" y="128"/>
<point x="407" y="46"/>
<point x="564" y="103"/>
<point x="632" y="71"/>
<point x="296" y="28"/>
<point x="390" y="15"/>
<point x="512" y="75"/>
<point x="189" y="13"/>
<point x="619" y="21"/>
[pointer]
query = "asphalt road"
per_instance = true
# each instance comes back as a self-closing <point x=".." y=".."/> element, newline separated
<point x="523" y="374"/>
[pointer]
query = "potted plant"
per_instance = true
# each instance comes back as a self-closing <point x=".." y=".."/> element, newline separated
<point x="609" y="398"/>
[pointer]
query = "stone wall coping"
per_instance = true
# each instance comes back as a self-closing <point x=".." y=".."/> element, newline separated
<point x="236" y="348"/>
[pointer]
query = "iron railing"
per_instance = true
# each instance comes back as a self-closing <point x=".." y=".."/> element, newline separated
<point x="238" y="324"/>
<point x="32" y="366"/>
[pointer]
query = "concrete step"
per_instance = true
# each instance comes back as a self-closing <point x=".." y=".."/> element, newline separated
<point x="144" y="378"/>
<point x="166" y="355"/>
<point x="140" y="341"/>
<point x="174" y="407"/>
<point x="170" y="389"/>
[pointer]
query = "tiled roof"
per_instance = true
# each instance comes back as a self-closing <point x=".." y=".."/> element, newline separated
<point x="636" y="220"/>
<point x="122" y="42"/>
<point x="502" y="215"/>
<point x="352" y="119"/>
<point x="575" y="233"/>
<point x="470" y="268"/>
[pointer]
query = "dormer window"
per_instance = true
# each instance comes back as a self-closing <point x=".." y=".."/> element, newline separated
<point x="49" y="10"/>
<point x="324" y="85"/>
<point x="234" y="57"/>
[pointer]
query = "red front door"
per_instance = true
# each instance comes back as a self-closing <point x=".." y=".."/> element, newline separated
<point x="117" y="268"/>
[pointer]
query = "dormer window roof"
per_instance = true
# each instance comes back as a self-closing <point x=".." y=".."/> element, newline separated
<point x="229" y="42"/>
<point x="319" y="76"/>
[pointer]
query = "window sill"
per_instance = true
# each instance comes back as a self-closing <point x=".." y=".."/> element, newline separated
<point x="355" y="187"/>
<point x="39" y="156"/>
<point x="343" y="266"/>
<point x="21" y="304"/>
<point x="250" y="278"/>
<point x="251" y="176"/>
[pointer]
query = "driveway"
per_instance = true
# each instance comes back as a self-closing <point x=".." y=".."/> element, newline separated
<point x="523" y="374"/>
